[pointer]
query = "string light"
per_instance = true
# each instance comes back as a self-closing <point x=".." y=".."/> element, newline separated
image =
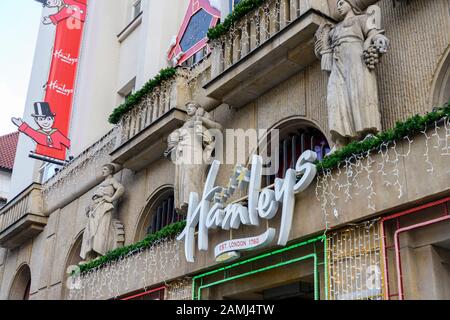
<point x="154" y="265"/>
<point x="82" y="168"/>
<point x="351" y="251"/>
<point x="370" y="188"/>
<point x="355" y="262"/>
<point x="179" y="290"/>
<point x="348" y="182"/>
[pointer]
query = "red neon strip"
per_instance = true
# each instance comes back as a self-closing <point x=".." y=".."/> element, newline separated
<point x="397" y="249"/>
<point x="144" y="293"/>
<point x="422" y="207"/>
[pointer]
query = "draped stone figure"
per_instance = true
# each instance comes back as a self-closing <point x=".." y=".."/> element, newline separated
<point x="350" y="51"/>
<point x="190" y="148"/>
<point x="96" y="237"/>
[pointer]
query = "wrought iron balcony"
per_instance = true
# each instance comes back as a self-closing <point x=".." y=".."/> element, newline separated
<point x="264" y="48"/>
<point x="22" y="218"/>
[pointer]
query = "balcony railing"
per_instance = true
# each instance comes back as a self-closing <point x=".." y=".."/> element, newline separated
<point x="258" y="27"/>
<point x="22" y="218"/>
<point x="143" y="129"/>
<point x="265" y="47"/>
<point x="169" y="95"/>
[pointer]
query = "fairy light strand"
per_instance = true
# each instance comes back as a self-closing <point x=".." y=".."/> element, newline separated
<point x="354" y="179"/>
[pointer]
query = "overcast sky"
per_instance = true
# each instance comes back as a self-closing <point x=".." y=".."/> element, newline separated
<point x="19" y="25"/>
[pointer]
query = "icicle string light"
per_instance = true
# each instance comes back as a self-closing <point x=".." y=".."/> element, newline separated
<point x="137" y="270"/>
<point x="355" y="263"/>
<point x="355" y="177"/>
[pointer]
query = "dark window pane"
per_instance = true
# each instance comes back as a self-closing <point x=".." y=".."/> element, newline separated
<point x="158" y="218"/>
<point x="163" y="215"/>
<point x="293" y="144"/>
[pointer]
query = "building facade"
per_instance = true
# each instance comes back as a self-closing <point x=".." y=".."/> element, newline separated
<point x="372" y="223"/>
<point x="8" y="145"/>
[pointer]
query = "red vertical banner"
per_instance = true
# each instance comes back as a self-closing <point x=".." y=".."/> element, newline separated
<point x="52" y="116"/>
<point x="69" y="21"/>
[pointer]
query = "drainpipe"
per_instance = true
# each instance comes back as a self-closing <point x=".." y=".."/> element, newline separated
<point x="397" y="249"/>
<point x="386" y="269"/>
<point x="383" y="238"/>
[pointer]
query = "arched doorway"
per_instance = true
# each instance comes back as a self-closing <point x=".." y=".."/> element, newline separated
<point x="20" y="288"/>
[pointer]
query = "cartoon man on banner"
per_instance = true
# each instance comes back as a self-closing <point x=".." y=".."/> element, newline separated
<point x="46" y="135"/>
<point x="66" y="9"/>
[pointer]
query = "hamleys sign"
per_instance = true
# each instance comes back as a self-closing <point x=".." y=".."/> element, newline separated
<point x="211" y="211"/>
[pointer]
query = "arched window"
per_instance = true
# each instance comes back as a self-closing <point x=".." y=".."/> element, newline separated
<point x="158" y="213"/>
<point x="163" y="215"/>
<point x="442" y="87"/>
<point x="295" y="137"/>
<point x="20" y="288"/>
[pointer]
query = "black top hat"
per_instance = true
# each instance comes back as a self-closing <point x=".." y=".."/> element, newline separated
<point x="42" y="109"/>
<point x="44" y="2"/>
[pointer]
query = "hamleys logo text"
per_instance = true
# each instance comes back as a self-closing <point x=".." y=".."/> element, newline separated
<point x="210" y="211"/>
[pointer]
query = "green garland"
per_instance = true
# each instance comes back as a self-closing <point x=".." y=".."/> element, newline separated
<point x="169" y="231"/>
<point x="241" y="9"/>
<point x="136" y="98"/>
<point x="412" y="126"/>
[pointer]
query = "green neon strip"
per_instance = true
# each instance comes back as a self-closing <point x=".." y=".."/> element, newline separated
<point x="325" y="259"/>
<point x="316" y="279"/>
<point x="193" y="289"/>
<point x="301" y="244"/>
<point x="281" y="264"/>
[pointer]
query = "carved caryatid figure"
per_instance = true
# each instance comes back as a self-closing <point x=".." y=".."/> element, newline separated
<point x="96" y="235"/>
<point x="350" y="51"/>
<point x="190" y="149"/>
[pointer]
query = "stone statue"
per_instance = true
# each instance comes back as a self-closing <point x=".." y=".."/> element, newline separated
<point x="350" y="51"/>
<point x="96" y="235"/>
<point x="190" y="148"/>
